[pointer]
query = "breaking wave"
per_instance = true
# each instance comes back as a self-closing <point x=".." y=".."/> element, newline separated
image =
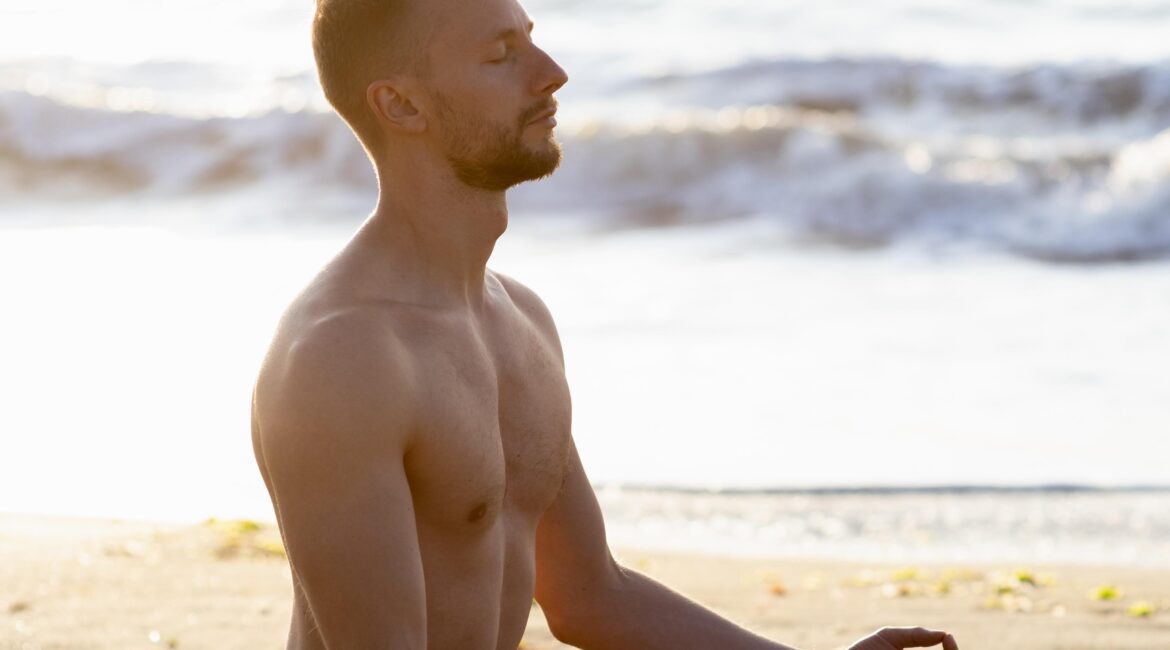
<point x="1059" y="163"/>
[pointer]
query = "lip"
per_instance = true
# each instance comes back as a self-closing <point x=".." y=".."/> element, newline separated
<point x="547" y="117"/>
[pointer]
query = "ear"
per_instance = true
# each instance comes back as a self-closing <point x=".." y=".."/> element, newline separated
<point x="394" y="108"/>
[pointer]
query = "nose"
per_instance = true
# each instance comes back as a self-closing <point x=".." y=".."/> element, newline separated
<point x="552" y="76"/>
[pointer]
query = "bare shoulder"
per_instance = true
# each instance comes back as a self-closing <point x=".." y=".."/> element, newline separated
<point x="340" y="369"/>
<point x="530" y="304"/>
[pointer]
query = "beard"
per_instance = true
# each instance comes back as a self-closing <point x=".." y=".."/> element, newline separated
<point x="492" y="157"/>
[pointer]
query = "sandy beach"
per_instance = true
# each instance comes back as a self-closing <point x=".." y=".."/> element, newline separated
<point x="106" y="584"/>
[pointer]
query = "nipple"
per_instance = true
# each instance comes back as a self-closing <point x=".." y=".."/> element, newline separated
<point x="478" y="513"/>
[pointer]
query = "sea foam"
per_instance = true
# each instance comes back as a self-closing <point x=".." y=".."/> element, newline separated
<point x="1063" y="163"/>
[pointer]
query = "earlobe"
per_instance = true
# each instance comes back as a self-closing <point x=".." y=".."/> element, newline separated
<point x="393" y="108"/>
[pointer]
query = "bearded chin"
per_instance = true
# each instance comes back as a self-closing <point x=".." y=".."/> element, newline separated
<point x="508" y="162"/>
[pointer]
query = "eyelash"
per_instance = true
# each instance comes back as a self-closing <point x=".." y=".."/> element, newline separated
<point x="507" y="55"/>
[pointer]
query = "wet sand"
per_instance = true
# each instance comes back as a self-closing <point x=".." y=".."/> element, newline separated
<point x="70" y="583"/>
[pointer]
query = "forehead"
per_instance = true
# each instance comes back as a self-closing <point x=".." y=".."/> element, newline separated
<point x="460" y="24"/>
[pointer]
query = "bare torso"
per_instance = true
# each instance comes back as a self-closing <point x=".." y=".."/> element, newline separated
<point x="491" y="453"/>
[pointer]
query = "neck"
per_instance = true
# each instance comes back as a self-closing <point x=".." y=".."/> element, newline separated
<point x="435" y="236"/>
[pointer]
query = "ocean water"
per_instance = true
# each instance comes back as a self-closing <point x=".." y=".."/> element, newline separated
<point x="793" y="246"/>
<point x="849" y="123"/>
<point x="708" y="373"/>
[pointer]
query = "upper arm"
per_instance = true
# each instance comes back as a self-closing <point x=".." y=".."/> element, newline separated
<point x="334" y="430"/>
<point x="574" y="566"/>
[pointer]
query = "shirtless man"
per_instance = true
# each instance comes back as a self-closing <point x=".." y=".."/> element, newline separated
<point x="411" y="419"/>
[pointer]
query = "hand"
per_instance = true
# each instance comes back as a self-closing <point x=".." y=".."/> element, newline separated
<point x="897" y="638"/>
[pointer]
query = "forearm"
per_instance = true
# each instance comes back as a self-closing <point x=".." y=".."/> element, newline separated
<point x="641" y="614"/>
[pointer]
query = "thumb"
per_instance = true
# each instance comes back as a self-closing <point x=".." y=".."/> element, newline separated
<point x="912" y="637"/>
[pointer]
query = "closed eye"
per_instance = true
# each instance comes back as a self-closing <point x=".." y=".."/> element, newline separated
<point x="510" y="34"/>
<point x="507" y="55"/>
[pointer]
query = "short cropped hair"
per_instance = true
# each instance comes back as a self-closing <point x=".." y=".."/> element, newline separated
<point x="357" y="42"/>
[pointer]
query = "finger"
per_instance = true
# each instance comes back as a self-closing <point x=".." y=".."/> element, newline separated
<point x="949" y="643"/>
<point x="912" y="637"/>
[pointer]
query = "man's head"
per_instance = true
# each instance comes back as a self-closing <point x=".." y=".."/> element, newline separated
<point x="461" y="80"/>
<point x="358" y="41"/>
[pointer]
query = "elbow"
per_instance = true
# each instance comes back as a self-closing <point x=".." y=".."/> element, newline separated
<point x="561" y="614"/>
<point x="580" y="616"/>
<point x="567" y="629"/>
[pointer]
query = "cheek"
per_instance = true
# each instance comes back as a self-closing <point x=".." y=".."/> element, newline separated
<point x="492" y="93"/>
<point x="481" y="109"/>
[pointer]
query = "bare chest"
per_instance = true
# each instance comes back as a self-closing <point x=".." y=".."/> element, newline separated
<point x="499" y="438"/>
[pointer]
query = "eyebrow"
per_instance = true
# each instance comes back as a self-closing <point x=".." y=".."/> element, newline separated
<point x="512" y="32"/>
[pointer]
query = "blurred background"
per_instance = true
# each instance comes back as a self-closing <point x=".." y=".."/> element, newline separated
<point x="855" y="279"/>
